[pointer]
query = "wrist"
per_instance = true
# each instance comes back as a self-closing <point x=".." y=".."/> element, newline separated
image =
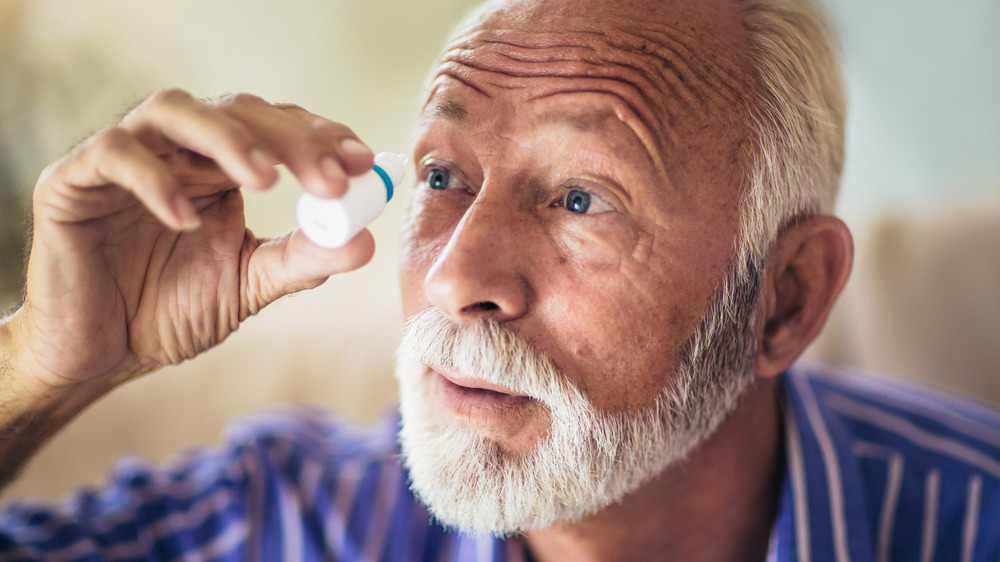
<point x="25" y="385"/>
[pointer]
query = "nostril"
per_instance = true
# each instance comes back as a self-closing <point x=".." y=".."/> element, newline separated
<point x="485" y="306"/>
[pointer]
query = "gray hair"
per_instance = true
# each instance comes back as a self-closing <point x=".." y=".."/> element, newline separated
<point x="796" y="120"/>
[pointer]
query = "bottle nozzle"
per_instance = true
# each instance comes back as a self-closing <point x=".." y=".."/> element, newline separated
<point x="394" y="168"/>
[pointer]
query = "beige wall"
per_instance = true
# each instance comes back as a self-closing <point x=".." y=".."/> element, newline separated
<point x="75" y="64"/>
<point x="361" y="62"/>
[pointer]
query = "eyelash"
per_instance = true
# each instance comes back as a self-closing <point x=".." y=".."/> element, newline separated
<point x="585" y="202"/>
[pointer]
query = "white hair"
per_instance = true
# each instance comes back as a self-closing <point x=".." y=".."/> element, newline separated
<point x="588" y="458"/>
<point x="796" y="119"/>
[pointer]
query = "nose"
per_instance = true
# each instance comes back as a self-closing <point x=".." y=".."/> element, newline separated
<point x="479" y="273"/>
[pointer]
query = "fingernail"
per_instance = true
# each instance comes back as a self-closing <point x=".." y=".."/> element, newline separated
<point x="260" y="160"/>
<point x="331" y="169"/>
<point x="354" y="148"/>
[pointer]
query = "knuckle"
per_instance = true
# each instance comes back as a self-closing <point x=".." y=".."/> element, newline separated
<point x="242" y="100"/>
<point x="332" y="128"/>
<point x="168" y="97"/>
<point x="111" y="139"/>
<point x="291" y="107"/>
<point x="46" y="176"/>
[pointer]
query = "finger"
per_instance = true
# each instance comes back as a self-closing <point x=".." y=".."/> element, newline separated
<point x="356" y="157"/>
<point x="291" y="263"/>
<point x="320" y="153"/>
<point x="181" y="120"/>
<point x="115" y="157"/>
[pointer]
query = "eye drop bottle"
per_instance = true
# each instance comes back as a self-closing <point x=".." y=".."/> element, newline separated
<point x="332" y="222"/>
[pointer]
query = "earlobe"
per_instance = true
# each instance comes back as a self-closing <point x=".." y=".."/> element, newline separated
<point x="807" y="268"/>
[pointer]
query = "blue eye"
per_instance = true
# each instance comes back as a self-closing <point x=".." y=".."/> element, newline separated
<point x="582" y="202"/>
<point x="577" y="201"/>
<point x="439" y="178"/>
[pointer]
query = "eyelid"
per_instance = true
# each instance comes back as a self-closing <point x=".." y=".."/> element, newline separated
<point x="595" y="190"/>
<point x="429" y="164"/>
<point x="608" y="207"/>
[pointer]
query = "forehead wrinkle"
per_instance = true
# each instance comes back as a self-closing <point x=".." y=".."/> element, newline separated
<point x="675" y="49"/>
<point x="625" y="114"/>
<point x="666" y="65"/>
<point x="483" y="67"/>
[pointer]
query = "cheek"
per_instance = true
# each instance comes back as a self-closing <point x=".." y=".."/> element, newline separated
<point x="425" y="232"/>
<point x="617" y="331"/>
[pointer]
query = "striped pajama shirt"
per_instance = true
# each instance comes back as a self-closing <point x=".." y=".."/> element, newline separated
<point x="874" y="470"/>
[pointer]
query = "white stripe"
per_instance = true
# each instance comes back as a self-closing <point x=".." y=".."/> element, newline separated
<point x="384" y="501"/>
<point x="931" y="490"/>
<point x="336" y="521"/>
<point x="875" y="450"/>
<point x="971" y="518"/>
<point x="223" y="543"/>
<point x="832" y="469"/>
<point x="924" y="406"/>
<point x="799" y="492"/>
<point x="484" y="548"/>
<point x="907" y="429"/>
<point x="887" y="519"/>
<point x="310" y="475"/>
<point x="289" y="510"/>
<point x="464" y="548"/>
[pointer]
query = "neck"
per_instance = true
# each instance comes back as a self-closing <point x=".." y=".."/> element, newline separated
<point x="720" y="504"/>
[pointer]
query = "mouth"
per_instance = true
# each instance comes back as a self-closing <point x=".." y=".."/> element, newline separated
<point x="474" y="401"/>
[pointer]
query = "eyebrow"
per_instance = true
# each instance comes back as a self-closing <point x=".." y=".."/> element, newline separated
<point x="450" y="110"/>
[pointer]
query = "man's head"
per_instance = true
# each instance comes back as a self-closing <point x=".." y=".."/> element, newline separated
<point x="602" y="184"/>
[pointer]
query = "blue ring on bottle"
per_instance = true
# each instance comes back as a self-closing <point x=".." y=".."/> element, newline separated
<point x="387" y="181"/>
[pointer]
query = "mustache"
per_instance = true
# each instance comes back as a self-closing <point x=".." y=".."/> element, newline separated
<point x="487" y="351"/>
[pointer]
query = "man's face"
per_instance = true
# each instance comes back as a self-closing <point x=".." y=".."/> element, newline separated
<point x="579" y="175"/>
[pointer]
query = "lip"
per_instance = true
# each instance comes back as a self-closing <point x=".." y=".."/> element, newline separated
<point x="472" y="383"/>
<point x="473" y="400"/>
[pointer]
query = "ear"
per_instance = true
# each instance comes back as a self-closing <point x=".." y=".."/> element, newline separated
<point x="807" y="268"/>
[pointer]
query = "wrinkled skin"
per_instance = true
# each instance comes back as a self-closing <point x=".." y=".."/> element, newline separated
<point x="141" y="256"/>
<point x="520" y="118"/>
<point x="531" y="103"/>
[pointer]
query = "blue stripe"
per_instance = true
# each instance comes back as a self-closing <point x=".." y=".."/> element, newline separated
<point x="386" y="180"/>
<point x="359" y="520"/>
<point x="140" y="498"/>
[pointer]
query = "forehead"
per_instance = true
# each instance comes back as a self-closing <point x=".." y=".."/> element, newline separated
<point x="666" y="69"/>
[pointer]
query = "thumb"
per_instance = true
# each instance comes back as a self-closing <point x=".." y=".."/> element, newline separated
<point x="291" y="263"/>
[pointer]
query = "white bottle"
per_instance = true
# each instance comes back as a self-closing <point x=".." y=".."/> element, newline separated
<point x="332" y="222"/>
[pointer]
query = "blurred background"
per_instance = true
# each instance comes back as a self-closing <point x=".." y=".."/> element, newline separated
<point x="921" y="190"/>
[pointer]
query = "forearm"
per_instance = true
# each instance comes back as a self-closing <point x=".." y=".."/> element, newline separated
<point x="31" y="412"/>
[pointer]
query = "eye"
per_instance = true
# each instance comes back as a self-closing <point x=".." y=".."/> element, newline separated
<point x="440" y="178"/>
<point x="583" y="203"/>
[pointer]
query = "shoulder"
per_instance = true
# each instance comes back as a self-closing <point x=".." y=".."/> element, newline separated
<point x="918" y="421"/>
<point x="317" y="433"/>
<point x="918" y="468"/>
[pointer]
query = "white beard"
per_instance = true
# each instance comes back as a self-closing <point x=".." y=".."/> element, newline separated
<point x="588" y="459"/>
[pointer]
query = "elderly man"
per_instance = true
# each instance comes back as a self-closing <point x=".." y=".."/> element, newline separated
<point x="616" y="251"/>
